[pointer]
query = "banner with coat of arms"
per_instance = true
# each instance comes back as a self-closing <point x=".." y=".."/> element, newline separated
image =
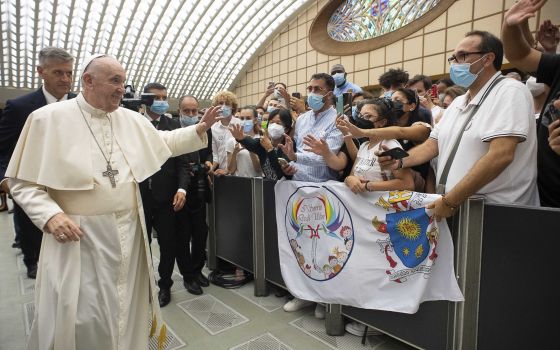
<point x="375" y="250"/>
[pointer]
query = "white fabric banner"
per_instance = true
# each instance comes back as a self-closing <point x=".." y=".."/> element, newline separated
<point x="375" y="250"/>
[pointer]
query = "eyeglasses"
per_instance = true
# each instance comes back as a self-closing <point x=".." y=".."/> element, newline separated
<point x="315" y="89"/>
<point x="461" y="57"/>
<point x="368" y="117"/>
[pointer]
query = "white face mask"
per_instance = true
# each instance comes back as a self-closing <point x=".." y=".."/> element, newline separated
<point x="535" y="88"/>
<point x="275" y="131"/>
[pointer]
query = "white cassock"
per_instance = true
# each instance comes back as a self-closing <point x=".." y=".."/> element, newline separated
<point x="98" y="293"/>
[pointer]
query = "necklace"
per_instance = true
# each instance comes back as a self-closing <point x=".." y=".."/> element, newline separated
<point x="110" y="173"/>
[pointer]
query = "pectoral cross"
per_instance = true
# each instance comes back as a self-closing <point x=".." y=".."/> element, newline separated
<point x="110" y="173"/>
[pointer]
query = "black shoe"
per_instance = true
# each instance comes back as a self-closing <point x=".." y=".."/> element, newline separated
<point x="280" y="292"/>
<point x="16" y="244"/>
<point x="202" y="280"/>
<point x="164" y="296"/>
<point x="32" y="272"/>
<point x="193" y="287"/>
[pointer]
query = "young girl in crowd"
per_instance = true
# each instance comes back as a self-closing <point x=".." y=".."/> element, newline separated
<point x="241" y="162"/>
<point x="266" y="147"/>
<point x="366" y="174"/>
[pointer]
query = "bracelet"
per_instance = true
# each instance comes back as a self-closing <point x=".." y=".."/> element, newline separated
<point x="447" y="204"/>
<point x="365" y="186"/>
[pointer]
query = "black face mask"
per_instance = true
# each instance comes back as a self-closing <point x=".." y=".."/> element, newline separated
<point x="364" y="123"/>
<point x="398" y="110"/>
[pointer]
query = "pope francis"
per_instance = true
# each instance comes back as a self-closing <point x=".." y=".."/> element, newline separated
<point x="75" y="171"/>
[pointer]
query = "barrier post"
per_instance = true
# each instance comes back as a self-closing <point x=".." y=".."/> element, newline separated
<point x="258" y="238"/>
<point x="211" y="217"/>
<point x="334" y="322"/>
<point x="468" y="265"/>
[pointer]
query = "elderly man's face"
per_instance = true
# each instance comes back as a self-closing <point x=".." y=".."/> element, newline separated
<point x="105" y="84"/>
<point x="57" y="77"/>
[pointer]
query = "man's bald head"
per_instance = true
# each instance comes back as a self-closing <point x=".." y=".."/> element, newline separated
<point x="103" y="82"/>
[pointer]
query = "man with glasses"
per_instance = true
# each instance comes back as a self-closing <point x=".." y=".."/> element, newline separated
<point x="497" y="143"/>
<point x="318" y="123"/>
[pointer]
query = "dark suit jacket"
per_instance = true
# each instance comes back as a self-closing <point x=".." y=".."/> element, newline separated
<point x="13" y="118"/>
<point x="193" y="159"/>
<point x="172" y="175"/>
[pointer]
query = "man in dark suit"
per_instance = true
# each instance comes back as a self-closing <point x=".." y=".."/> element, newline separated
<point x="163" y="195"/>
<point x="55" y="68"/>
<point x="192" y="219"/>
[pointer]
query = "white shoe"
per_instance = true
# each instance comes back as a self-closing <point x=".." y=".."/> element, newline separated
<point x="358" y="329"/>
<point x="320" y="311"/>
<point x="296" y="304"/>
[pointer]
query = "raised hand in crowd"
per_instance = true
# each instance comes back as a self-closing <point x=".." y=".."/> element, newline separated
<point x="288" y="169"/>
<point x="236" y="131"/>
<point x="522" y="11"/>
<point x="265" y="142"/>
<point x="554" y="136"/>
<point x="208" y="119"/>
<point x="548" y="36"/>
<point x="288" y="148"/>
<point x="285" y="95"/>
<point x="297" y="105"/>
<point x="348" y="128"/>
<point x="317" y="146"/>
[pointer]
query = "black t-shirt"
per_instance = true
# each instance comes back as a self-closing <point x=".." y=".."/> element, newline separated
<point x="425" y="116"/>
<point x="548" y="162"/>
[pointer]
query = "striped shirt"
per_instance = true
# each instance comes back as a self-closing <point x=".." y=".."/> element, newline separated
<point x="310" y="166"/>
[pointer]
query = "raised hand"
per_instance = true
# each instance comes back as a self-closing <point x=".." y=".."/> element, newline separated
<point x="288" y="148"/>
<point x="208" y="119"/>
<point x="297" y="104"/>
<point x="236" y="131"/>
<point x="317" y="146"/>
<point x="548" y="36"/>
<point x="522" y="10"/>
<point x="346" y="127"/>
<point x="386" y="162"/>
<point x="265" y="142"/>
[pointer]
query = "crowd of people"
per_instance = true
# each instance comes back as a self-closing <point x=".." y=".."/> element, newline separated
<point x="121" y="174"/>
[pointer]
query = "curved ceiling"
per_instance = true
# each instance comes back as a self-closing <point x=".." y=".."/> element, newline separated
<point x="193" y="47"/>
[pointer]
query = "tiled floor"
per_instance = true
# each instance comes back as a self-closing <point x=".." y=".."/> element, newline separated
<point x="219" y="319"/>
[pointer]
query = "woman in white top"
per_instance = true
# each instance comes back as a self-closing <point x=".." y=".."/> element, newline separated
<point x="241" y="162"/>
<point x="366" y="174"/>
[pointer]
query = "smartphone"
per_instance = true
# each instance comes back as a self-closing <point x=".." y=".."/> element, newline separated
<point x="347" y="101"/>
<point x="395" y="153"/>
<point x="296" y="95"/>
<point x="282" y="162"/>
<point x="339" y="105"/>
<point x="271" y="83"/>
<point x="434" y="91"/>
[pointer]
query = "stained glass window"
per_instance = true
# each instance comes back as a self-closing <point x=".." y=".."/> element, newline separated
<point x="357" y="20"/>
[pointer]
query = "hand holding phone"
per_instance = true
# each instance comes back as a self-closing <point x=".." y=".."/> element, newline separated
<point x="434" y="92"/>
<point x="296" y="95"/>
<point x="395" y="153"/>
<point x="283" y="162"/>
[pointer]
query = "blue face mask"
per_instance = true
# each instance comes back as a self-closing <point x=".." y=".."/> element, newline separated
<point x="271" y="109"/>
<point x="226" y="111"/>
<point x="388" y="95"/>
<point x="159" y="107"/>
<point x="248" y="126"/>
<point x="355" y="112"/>
<point x="186" y="120"/>
<point x="461" y="74"/>
<point x="339" y="79"/>
<point x="315" y="101"/>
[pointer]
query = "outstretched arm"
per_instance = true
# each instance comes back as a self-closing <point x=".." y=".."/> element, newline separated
<point x="516" y="47"/>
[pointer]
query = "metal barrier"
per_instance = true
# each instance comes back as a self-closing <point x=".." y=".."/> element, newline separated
<point x="509" y="301"/>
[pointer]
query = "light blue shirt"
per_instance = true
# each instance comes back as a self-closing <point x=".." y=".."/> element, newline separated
<point x="347" y="86"/>
<point x="310" y="166"/>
